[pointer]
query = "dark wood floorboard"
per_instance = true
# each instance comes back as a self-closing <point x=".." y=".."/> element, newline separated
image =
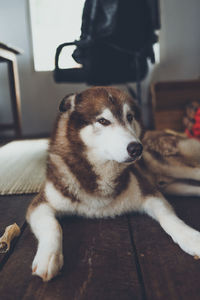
<point x="12" y="210"/>
<point x="98" y="264"/>
<point x="167" y="271"/>
<point x="114" y="259"/>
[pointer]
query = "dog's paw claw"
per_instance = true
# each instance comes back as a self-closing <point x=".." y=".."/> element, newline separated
<point x="34" y="270"/>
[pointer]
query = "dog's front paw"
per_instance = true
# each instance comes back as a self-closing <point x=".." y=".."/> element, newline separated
<point x="47" y="265"/>
<point x="190" y="243"/>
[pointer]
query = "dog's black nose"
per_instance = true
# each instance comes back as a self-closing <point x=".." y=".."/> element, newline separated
<point x="134" y="149"/>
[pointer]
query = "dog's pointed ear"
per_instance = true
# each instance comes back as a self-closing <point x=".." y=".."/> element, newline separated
<point x="67" y="103"/>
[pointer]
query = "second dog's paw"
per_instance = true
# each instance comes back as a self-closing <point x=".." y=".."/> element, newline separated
<point x="47" y="265"/>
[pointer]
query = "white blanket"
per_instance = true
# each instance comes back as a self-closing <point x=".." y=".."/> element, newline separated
<point x="22" y="166"/>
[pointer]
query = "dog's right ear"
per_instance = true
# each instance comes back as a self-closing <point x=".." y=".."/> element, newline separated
<point x="67" y="103"/>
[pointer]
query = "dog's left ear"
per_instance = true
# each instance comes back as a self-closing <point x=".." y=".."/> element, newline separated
<point x="67" y="103"/>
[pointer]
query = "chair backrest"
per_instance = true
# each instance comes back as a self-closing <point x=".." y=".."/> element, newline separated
<point x="169" y="100"/>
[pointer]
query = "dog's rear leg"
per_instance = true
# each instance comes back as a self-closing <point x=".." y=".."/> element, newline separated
<point x="49" y="258"/>
<point x="185" y="236"/>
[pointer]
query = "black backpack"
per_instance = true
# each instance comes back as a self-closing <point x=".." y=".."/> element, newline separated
<point x="116" y="40"/>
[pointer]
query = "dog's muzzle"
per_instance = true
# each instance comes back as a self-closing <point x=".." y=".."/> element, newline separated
<point x="134" y="150"/>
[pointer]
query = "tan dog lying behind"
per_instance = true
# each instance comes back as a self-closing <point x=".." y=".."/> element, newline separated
<point x="95" y="170"/>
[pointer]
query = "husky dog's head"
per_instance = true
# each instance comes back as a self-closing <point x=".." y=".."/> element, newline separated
<point x="105" y="123"/>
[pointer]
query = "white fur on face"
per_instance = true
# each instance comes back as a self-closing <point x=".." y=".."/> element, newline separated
<point x="110" y="142"/>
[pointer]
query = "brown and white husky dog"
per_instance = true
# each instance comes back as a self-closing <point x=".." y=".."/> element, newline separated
<point x="96" y="169"/>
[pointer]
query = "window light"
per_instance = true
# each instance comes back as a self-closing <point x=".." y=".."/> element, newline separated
<point x="54" y="22"/>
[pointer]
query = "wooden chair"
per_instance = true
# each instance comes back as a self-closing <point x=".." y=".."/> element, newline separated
<point x="8" y="55"/>
<point x="168" y="102"/>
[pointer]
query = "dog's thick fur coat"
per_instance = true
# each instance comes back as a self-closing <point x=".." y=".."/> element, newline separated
<point x="95" y="169"/>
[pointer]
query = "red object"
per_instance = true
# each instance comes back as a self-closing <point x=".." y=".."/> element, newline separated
<point x="195" y="131"/>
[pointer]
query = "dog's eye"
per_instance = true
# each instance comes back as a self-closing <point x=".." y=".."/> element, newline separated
<point x="103" y="122"/>
<point x="130" y="117"/>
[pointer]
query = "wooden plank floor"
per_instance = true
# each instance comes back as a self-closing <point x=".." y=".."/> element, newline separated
<point x="129" y="257"/>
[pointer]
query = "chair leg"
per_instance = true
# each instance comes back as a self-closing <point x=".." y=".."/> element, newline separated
<point x="15" y="96"/>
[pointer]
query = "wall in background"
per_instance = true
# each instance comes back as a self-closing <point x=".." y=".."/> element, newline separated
<point x="180" y="49"/>
<point x="179" y="40"/>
